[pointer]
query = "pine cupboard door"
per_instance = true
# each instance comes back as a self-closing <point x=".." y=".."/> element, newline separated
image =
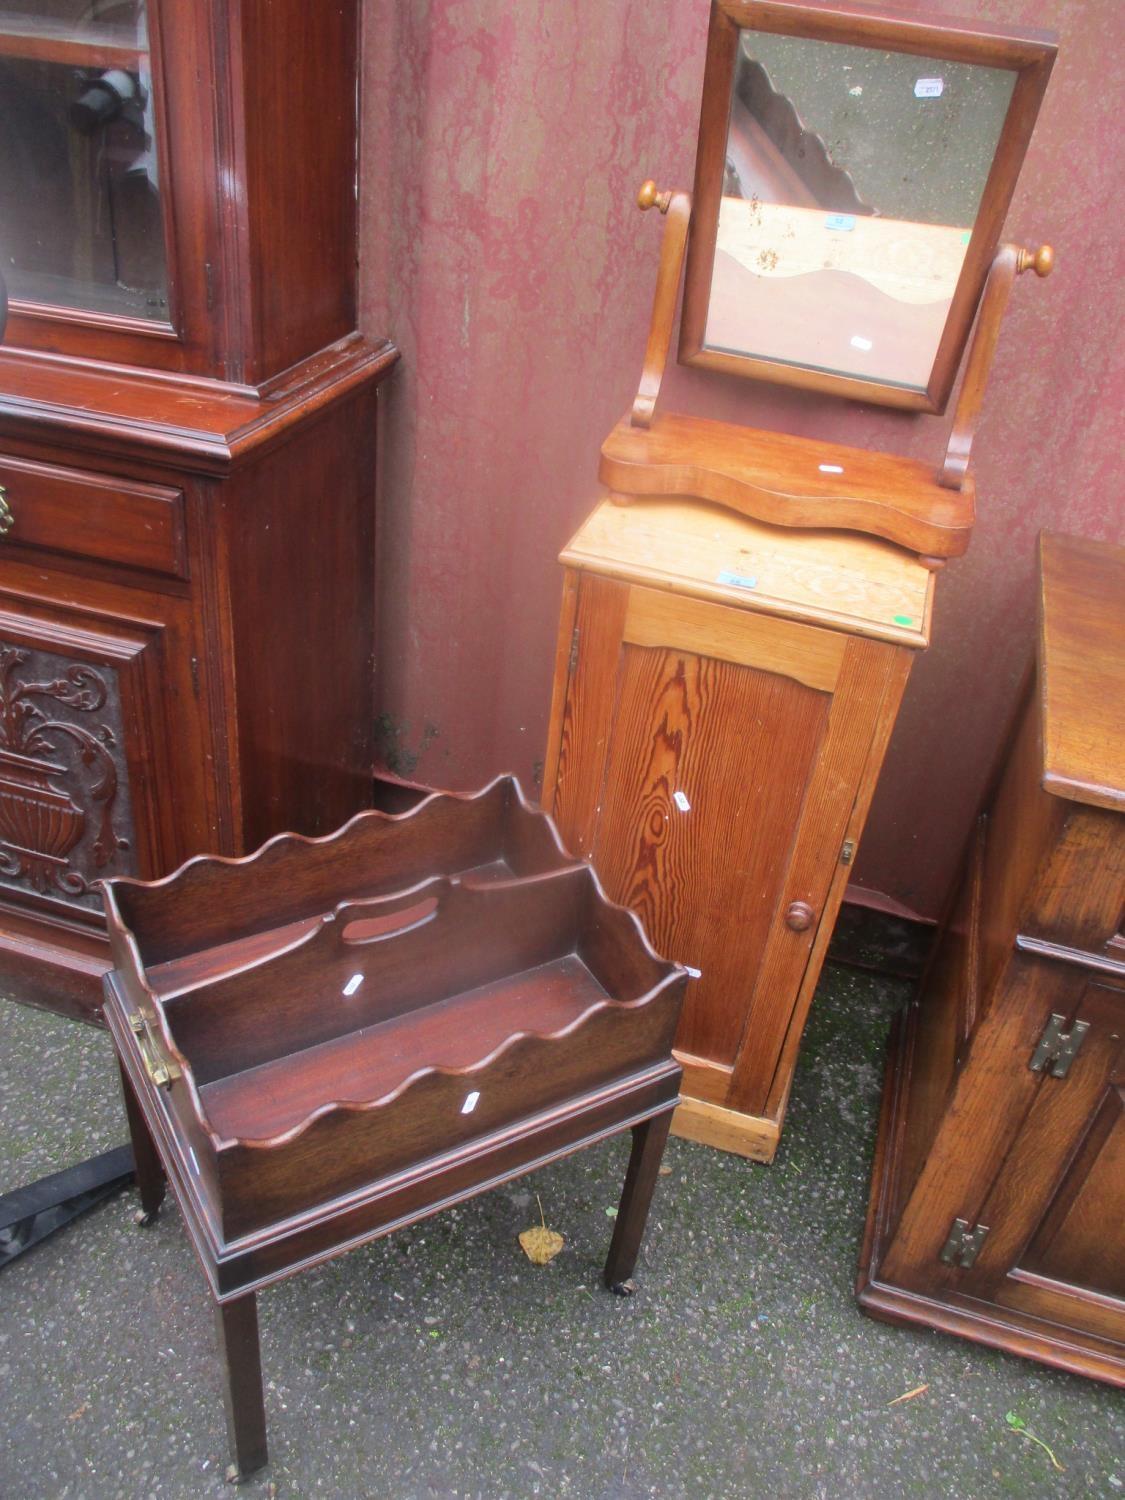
<point x="711" y="762"/>
<point x="103" y="761"/>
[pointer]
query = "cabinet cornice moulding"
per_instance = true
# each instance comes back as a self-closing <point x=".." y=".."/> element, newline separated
<point x="204" y="426"/>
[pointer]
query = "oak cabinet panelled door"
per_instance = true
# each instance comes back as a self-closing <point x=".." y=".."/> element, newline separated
<point x="713" y="750"/>
<point x="187" y="419"/>
<point x="998" y="1201"/>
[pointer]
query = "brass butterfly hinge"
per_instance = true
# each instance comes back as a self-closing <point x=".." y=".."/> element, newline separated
<point x="963" y="1244"/>
<point x="1058" y="1048"/>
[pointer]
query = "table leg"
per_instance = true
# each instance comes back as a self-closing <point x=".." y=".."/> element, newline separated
<point x="150" y="1172"/>
<point x="237" y="1324"/>
<point x="649" y="1139"/>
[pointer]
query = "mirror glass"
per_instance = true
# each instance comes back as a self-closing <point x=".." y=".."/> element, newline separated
<point x="852" y="181"/>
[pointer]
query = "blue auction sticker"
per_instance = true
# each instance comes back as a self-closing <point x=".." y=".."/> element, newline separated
<point x="840" y="221"/>
<point x="736" y="580"/>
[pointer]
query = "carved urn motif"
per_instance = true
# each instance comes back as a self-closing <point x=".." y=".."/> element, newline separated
<point x="39" y="824"/>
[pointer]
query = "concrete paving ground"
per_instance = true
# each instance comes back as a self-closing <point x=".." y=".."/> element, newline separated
<point x="439" y="1362"/>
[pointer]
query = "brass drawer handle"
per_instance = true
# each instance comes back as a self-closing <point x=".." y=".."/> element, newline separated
<point x="7" y="520"/>
<point x="160" y="1069"/>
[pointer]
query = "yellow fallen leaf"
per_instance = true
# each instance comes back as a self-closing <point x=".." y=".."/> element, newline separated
<point x="539" y="1243"/>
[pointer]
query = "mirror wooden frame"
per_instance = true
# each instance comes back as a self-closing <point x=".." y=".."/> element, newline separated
<point x="1030" y="54"/>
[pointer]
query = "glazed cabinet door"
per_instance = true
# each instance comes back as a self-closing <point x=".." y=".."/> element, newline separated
<point x="145" y="205"/>
<point x="79" y="170"/>
<point x="102" y="748"/>
<point x="708" y="761"/>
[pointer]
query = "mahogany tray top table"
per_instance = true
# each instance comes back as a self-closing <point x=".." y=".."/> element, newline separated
<point x="335" y="1037"/>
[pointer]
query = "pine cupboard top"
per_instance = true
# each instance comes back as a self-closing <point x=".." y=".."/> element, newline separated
<point x="1082" y="669"/>
<point x="851" y="582"/>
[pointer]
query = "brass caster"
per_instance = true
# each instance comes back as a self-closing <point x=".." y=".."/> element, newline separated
<point x="145" y="1220"/>
<point x="624" y="1288"/>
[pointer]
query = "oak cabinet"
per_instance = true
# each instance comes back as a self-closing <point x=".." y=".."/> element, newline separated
<point x="187" y="454"/>
<point x="723" y="699"/>
<point x="998" y="1202"/>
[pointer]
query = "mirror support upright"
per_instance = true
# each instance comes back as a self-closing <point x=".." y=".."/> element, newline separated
<point x="1009" y="262"/>
<point x="676" y="208"/>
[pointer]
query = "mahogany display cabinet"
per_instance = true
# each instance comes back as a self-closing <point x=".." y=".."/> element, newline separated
<point x="187" y="430"/>
<point x="998" y="1199"/>
<point x="724" y="694"/>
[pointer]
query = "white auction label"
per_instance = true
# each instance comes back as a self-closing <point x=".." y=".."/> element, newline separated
<point x="929" y="88"/>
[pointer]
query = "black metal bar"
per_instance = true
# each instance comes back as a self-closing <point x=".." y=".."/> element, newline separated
<point x="29" y="1214"/>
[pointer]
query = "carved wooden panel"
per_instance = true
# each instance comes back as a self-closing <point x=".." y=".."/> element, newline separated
<point x="65" y="810"/>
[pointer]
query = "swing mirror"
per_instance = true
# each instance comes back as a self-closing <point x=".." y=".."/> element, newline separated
<point x="853" y="172"/>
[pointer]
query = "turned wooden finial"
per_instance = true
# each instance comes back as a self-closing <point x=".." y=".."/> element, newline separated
<point x="650" y="197"/>
<point x="1042" y="261"/>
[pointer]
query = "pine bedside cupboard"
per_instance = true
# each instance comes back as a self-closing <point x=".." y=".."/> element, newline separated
<point x="724" y="694"/>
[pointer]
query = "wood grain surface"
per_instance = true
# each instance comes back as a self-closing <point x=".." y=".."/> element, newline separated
<point x="789" y="481"/>
<point x="1082" y="647"/>
<point x="705" y="881"/>
<point x="828" y="795"/>
<point x="857" y="583"/>
<point x="583" y="713"/>
<point x="804" y="653"/>
<point x="726" y="1129"/>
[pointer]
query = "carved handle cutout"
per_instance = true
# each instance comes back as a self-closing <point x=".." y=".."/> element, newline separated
<point x="388" y="924"/>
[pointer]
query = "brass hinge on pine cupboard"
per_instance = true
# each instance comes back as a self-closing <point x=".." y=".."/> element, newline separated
<point x="963" y="1244"/>
<point x="1057" y="1047"/>
<point x="573" y="651"/>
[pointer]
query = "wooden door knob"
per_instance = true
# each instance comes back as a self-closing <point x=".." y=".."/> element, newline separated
<point x="1041" y="261"/>
<point x="799" y="915"/>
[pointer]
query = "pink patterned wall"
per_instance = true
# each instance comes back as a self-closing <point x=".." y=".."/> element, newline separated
<point x="502" y="147"/>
